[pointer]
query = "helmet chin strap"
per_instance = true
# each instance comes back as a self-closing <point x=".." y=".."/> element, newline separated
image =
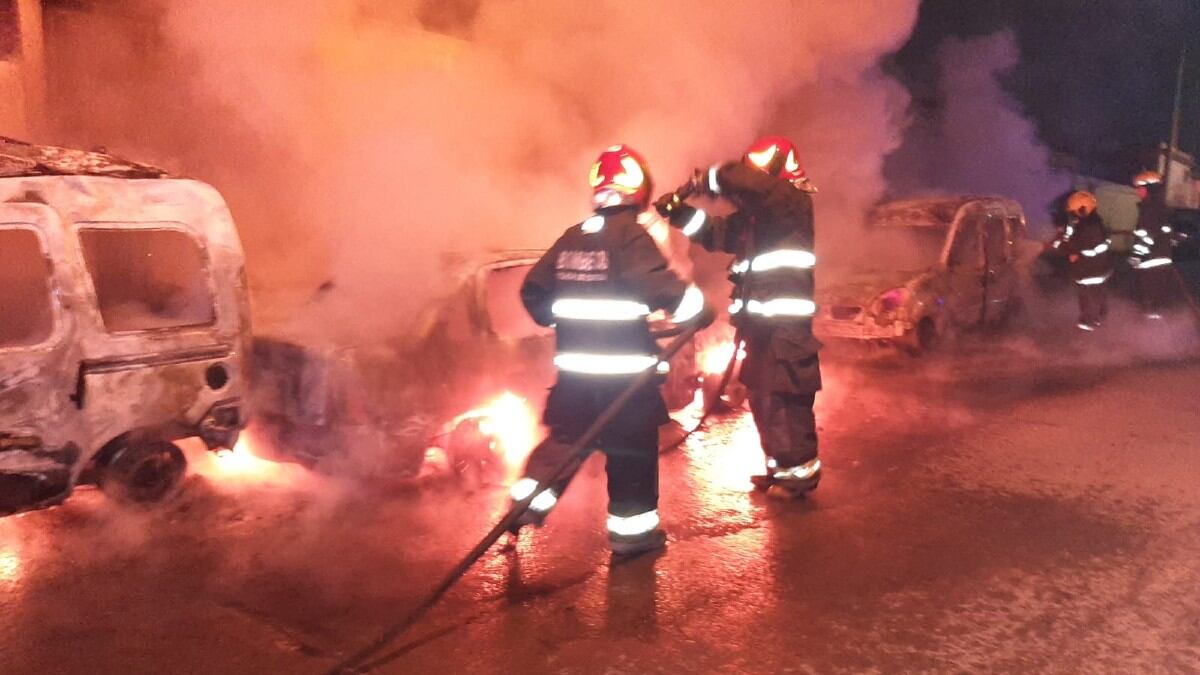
<point x="607" y="199"/>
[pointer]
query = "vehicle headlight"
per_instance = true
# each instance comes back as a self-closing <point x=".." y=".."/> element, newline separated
<point x="888" y="306"/>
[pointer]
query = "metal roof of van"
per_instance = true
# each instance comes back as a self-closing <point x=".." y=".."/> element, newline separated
<point x="21" y="159"/>
<point x="936" y="212"/>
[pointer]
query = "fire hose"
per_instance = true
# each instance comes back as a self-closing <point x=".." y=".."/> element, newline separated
<point x="365" y="659"/>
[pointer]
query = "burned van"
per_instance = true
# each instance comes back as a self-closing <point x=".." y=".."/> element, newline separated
<point x="123" y="325"/>
<point x="943" y="265"/>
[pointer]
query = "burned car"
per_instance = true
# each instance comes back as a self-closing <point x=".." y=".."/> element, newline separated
<point x="464" y="389"/>
<point x="123" y="325"/>
<point x="939" y="265"/>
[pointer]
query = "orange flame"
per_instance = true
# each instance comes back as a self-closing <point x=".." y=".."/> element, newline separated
<point x="510" y="422"/>
<point x="241" y="464"/>
<point x="714" y="359"/>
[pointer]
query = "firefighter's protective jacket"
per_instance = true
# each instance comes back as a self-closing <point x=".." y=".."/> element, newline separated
<point x="771" y="236"/>
<point x="1152" y="238"/>
<point x="1086" y="244"/>
<point x="596" y="286"/>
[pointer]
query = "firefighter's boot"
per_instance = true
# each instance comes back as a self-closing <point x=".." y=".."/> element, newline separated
<point x="631" y="545"/>
<point x="539" y="507"/>
<point x="634" y="535"/>
<point x="795" y="482"/>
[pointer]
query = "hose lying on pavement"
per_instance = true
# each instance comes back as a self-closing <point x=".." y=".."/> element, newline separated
<point x="364" y="661"/>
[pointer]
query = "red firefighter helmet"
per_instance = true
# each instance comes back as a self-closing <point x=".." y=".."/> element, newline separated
<point x="778" y="157"/>
<point x="1144" y="180"/>
<point x="1147" y="178"/>
<point x="620" y="177"/>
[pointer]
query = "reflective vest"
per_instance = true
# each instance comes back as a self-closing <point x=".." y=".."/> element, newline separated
<point x="607" y="277"/>
<point x="777" y="284"/>
<point x="772" y="235"/>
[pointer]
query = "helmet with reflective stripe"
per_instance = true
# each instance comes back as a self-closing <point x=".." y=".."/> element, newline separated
<point x="620" y="177"/>
<point x="778" y="157"/>
<point x="1081" y="203"/>
<point x="1147" y="178"/>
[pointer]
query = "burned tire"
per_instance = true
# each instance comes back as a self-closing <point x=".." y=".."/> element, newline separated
<point x="144" y="472"/>
<point x="923" y="339"/>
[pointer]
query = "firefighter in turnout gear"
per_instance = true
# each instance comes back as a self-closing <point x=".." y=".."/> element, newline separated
<point x="1151" y="258"/>
<point x="771" y="237"/>
<point x="1085" y="243"/>
<point x="596" y="286"/>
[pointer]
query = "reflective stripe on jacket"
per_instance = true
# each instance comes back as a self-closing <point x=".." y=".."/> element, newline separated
<point x="596" y="286"/>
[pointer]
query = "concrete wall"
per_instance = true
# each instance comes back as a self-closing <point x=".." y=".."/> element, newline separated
<point x="12" y="100"/>
<point x="1183" y="191"/>
<point x="22" y="74"/>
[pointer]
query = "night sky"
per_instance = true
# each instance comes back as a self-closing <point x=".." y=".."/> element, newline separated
<point x="1096" y="76"/>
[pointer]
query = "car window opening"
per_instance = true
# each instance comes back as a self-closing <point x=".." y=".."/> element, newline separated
<point x="506" y="314"/>
<point x="26" y="304"/>
<point x="148" y="279"/>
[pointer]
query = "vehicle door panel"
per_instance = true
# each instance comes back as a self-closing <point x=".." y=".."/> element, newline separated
<point x="965" y="272"/>
<point x="154" y="328"/>
<point x="40" y="431"/>
<point x="1000" y="278"/>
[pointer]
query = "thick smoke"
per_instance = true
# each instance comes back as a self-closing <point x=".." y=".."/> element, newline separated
<point x="979" y="140"/>
<point x="359" y="145"/>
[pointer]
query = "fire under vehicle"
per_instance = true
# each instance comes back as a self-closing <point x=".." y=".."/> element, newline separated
<point x="123" y="325"/>
<point x="462" y="390"/>
<point x="941" y="265"/>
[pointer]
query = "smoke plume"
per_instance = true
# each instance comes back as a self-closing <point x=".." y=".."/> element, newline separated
<point x="978" y="140"/>
<point x="367" y="143"/>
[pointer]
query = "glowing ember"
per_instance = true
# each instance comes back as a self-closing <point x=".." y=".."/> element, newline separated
<point x="714" y="358"/>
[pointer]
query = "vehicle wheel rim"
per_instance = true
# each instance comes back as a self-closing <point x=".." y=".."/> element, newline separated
<point x="153" y="476"/>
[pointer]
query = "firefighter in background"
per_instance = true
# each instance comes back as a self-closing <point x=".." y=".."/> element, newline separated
<point x="596" y="286"/>
<point x="1151" y="258"/>
<point x="771" y="237"/>
<point x="1085" y="243"/>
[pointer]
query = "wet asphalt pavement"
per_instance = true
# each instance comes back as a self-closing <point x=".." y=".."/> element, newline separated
<point x="1024" y="504"/>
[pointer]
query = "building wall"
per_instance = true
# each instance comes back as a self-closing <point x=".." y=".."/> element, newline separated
<point x="22" y="79"/>
<point x="1183" y="191"/>
<point x="12" y="100"/>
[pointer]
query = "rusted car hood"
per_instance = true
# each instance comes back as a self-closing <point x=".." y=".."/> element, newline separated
<point x="861" y="287"/>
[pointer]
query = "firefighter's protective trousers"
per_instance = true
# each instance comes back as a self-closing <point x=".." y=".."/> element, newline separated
<point x="596" y="286"/>
<point x="630" y="444"/>
<point x="771" y="237"/>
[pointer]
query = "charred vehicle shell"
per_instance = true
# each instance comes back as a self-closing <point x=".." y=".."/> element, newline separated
<point x="123" y="325"/>
<point x="942" y="265"/>
<point x="473" y="365"/>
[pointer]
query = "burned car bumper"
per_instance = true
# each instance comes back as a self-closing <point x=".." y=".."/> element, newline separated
<point x="859" y="327"/>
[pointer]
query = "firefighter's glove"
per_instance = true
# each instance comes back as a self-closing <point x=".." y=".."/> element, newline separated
<point x="668" y="205"/>
<point x="698" y="183"/>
